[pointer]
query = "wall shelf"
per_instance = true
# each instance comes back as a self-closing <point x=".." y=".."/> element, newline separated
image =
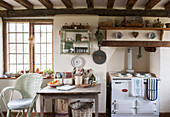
<point x="136" y="43"/>
<point x="135" y="28"/>
<point x="69" y="41"/>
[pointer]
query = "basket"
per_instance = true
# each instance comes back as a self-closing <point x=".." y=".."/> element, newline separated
<point x="81" y="109"/>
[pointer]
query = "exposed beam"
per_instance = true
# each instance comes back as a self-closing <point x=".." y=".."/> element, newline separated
<point x="67" y="3"/>
<point x="47" y="3"/>
<point x="100" y="12"/>
<point x="90" y="3"/>
<point x="25" y="3"/>
<point x="151" y="3"/>
<point x="6" y="5"/>
<point x="136" y="43"/>
<point x="130" y="4"/>
<point x="110" y="4"/>
<point x="167" y="6"/>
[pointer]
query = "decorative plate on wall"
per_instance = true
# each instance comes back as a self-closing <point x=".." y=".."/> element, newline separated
<point x="119" y="35"/>
<point x="77" y="62"/>
<point x="152" y="35"/>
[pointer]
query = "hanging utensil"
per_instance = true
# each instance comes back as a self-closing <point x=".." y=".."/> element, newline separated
<point x="139" y="55"/>
<point x="99" y="57"/>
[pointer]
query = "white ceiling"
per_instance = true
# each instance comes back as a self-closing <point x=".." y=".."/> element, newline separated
<point x="119" y="4"/>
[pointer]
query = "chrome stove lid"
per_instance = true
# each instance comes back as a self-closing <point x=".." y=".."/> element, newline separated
<point x="123" y="75"/>
<point x="142" y="74"/>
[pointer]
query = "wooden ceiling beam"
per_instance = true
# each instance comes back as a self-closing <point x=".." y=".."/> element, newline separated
<point x="6" y="5"/>
<point x="67" y="3"/>
<point x="130" y="4"/>
<point x="151" y="3"/>
<point x="99" y="12"/>
<point x="90" y="3"/>
<point x="110" y="4"/>
<point x="25" y="3"/>
<point x="167" y="6"/>
<point x="47" y="3"/>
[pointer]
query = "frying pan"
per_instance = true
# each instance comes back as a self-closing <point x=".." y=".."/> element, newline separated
<point x="99" y="57"/>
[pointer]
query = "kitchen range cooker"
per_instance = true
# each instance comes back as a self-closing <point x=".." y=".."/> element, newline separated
<point x="123" y="104"/>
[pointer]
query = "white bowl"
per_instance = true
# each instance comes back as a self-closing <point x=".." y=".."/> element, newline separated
<point x="8" y="74"/>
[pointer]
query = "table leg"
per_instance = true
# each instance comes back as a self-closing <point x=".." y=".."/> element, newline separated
<point x="53" y="107"/>
<point x="41" y="106"/>
<point x="96" y="105"/>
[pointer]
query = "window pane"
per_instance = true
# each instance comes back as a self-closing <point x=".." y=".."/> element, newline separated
<point x="12" y="58"/>
<point x="37" y="37"/>
<point x="12" y="68"/>
<point x="43" y="67"/>
<point x="37" y="58"/>
<point x="49" y="48"/>
<point x="19" y="58"/>
<point x="37" y="48"/>
<point x="26" y="59"/>
<point x="26" y="48"/>
<point x="49" y="28"/>
<point x="37" y="28"/>
<point x="12" y="48"/>
<point x="12" y="38"/>
<point x="19" y="38"/>
<point x="20" y="67"/>
<point x="43" y="48"/>
<point x="43" y="58"/>
<point x="12" y="27"/>
<point x="26" y="37"/>
<point x="26" y="27"/>
<point x="43" y="37"/>
<point x="43" y="28"/>
<point x="49" y="37"/>
<point x="49" y="66"/>
<point x="20" y="48"/>
<point x="49" y="58"/>
<point x="17" y="35"/>
<point x="19" y="27"/>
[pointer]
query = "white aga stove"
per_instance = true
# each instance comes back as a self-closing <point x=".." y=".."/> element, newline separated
<point x="123" y="104"/>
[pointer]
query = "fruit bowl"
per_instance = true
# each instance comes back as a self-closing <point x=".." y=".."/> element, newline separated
<point x="54" y="83"/>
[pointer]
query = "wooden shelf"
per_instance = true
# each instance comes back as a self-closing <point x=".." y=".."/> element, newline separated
<point x="133" y="28"/>
<point x="136" y="43"/>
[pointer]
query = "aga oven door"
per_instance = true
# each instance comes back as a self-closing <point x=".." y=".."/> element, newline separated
<point x="147" y="107"/>
<point x="126" y="107"/>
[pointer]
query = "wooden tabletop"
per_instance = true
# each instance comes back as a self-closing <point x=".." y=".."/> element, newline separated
<point x="87" y="90"/>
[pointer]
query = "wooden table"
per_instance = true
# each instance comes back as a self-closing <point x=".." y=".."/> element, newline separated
<point x="52" y="93"/>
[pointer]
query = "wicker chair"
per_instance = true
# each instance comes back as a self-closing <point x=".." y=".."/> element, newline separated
<point x="2" y="115"/>
<point x="27" y="85"/>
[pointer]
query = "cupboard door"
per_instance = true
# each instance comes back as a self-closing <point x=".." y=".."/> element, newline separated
<point x="146" y="106"/>
<point x="123" y="107"/>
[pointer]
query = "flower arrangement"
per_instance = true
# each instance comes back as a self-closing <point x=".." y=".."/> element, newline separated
<point x="49" y="72"/>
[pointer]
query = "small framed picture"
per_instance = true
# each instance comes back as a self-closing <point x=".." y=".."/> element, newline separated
<point x="78" y="37"/>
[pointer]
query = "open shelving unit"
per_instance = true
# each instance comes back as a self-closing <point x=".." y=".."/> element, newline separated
<point x="75" y="42"/>
<point x="136" y="43"/>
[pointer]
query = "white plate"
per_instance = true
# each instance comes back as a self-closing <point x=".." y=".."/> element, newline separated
<point x="152" y="35"/>
<point x="77" y="62"/>
<point x="119" y="35"/>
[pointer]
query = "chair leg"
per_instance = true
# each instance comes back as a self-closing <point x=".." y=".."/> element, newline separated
<point x="23" y="111"/>
<point x="36" y="114"/>
<point x="8" y="113"/>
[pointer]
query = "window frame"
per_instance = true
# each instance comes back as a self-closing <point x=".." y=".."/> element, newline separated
<point x="31" y="22"/>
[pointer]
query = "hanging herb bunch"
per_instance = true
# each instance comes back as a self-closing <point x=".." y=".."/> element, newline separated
<point x="99" y="36"/>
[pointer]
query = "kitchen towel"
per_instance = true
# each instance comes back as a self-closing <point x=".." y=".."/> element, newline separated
<point x="152" y="89"/>
<point x="138" y="87"/>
